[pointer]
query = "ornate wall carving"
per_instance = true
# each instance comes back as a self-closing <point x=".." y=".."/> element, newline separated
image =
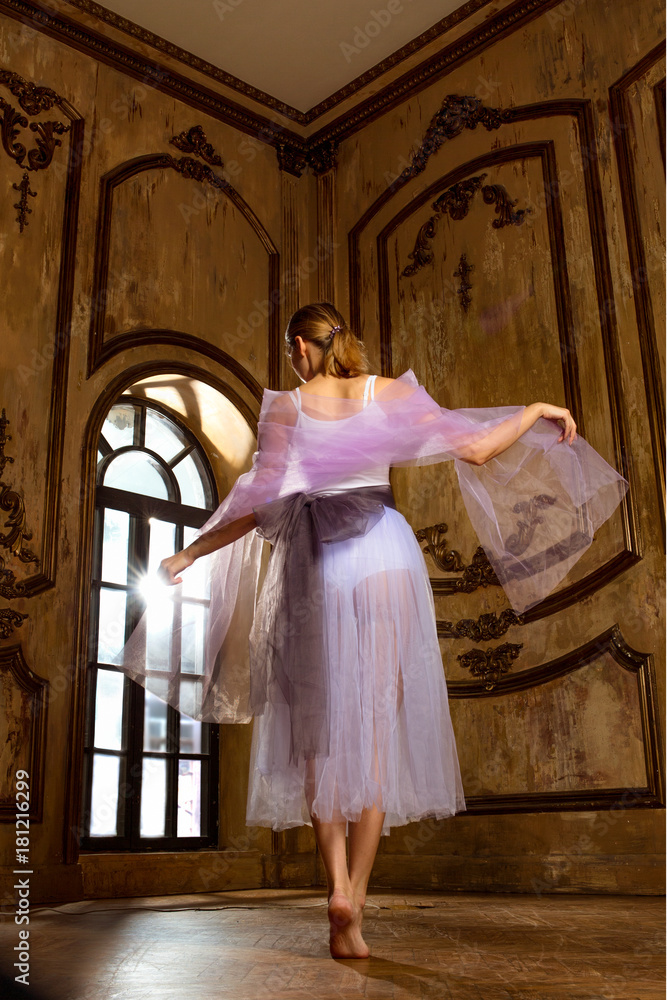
<point x="14" y="541"/>
<point x="544" y="153"/>
<point x="605" y="673"/>
<point x="24" y="699"/>
<point x="33" y="101"/>
<point x="34" y="151"/>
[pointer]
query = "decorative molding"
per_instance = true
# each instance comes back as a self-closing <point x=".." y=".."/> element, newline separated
<point x="101" y="351"/>
<point x="326" y="236"/>
<point x="462" y="272"/>
<point x="10" y="620"/>
<point x="496" y="194"/>
<point x="34" y="101"/>
<point x="659" y="95"/>
<point x="455" y="114"/>
<point x="14" y="540"/>
<point x="412" y="82"/>
<point x="490" y="664"/>
<point x="580" y="112"/>
<point x="22" y="203"/>
<point x="612" y="642"/>
<point x="436" y="546"/>
<point x="519" y="542"/>
<point x="624" y="145"/>
<point x="261" y="97"/>
<point x="455" y="202"/>
<point x="322" y="157"/>
<point x="24" y="697"/>
<point x="194" y="141"/>
<point x="291" y="159"/>
<point x="478" y="573"/>
<point x="487" y="626"/>
<point x="152" y="73"/>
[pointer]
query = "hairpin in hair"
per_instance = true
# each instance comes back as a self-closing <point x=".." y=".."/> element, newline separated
<point x="335" y="329"/>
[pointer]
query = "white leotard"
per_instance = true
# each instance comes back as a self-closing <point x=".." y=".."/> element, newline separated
<point x="377" y="476"/>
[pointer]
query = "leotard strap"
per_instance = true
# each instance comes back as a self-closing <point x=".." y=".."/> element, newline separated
<point x="369" y="389"/>
<point x="297" y="399"/>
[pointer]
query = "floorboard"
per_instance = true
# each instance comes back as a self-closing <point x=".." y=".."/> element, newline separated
<point x="273" y="945"/>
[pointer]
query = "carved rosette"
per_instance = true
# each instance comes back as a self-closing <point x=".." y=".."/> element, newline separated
<point x="13" y="540"/>
<point x="490" y="664"/>
<point x="33" y="101"/>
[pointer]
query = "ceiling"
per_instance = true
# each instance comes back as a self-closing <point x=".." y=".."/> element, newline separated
<point x="298" y="51"/>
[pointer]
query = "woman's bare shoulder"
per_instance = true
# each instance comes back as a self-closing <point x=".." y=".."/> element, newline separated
<point x="381" y="382"/>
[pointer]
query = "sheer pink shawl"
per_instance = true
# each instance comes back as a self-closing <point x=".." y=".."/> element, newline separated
<point x="535" y="509"/>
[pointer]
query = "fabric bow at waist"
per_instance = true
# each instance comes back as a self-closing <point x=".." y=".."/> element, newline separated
<point x="288" y="646"/>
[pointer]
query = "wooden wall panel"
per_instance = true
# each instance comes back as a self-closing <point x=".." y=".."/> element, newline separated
<point x="557" y="291"/>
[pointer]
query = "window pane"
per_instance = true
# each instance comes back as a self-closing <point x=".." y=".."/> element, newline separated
<point x="114" y="547"/>
<point x="155" y="724"/>
<point x="153" y="797"/>
<point x="136" y="472"/>
<point x="109" y="710"/>
<point x="190" y="735"/>
<point x="118" y="428"/>
<point x="163" y="436"/>
<point x="189" y="474"/>
<point x="190" y="696"/>
<point x="112" y="624"/>
<point x="162" y="542"/>
<point x="189" y="798"/>
<point x="159" y="624"/>
<point x="192" y="639"/>
<point x="104" y="802"/>
<point x="195" y="578"/>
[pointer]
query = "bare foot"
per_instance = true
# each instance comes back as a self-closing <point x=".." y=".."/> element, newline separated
<point x="345" y="940"/>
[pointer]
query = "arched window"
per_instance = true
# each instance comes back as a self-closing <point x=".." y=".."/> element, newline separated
<point x="151" y="773"/>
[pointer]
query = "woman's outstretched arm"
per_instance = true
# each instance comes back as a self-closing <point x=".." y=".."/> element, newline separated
<point x="503" y="436"/>
<point x="209" y="542"/>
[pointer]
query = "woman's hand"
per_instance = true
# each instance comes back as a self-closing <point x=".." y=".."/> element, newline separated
<point x="173" y="565"/>
<point x="564" y="418"/>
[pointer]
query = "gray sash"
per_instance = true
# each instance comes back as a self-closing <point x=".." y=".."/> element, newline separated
<point x="288" y="640"/>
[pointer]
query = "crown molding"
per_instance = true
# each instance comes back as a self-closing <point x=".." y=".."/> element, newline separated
<point x="198" y="95"/>
<point x="192" y="61"/>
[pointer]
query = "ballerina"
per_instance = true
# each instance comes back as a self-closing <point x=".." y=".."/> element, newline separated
<point x="352" y="729"/>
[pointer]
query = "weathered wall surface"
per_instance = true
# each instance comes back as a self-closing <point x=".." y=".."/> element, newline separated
<point x="545" y="194"/>
<point x="140" y="258"/>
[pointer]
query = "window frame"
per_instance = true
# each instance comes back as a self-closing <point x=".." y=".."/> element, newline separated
<point x="140" y="508"/>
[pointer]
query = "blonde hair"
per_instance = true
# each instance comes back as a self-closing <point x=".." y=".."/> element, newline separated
<point x="322" y="324"/>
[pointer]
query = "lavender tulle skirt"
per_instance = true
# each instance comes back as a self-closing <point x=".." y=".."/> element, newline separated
<point x="391" y="742"/>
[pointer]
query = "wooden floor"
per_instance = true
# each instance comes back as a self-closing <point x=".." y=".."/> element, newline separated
<point x="261" y="944"/>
